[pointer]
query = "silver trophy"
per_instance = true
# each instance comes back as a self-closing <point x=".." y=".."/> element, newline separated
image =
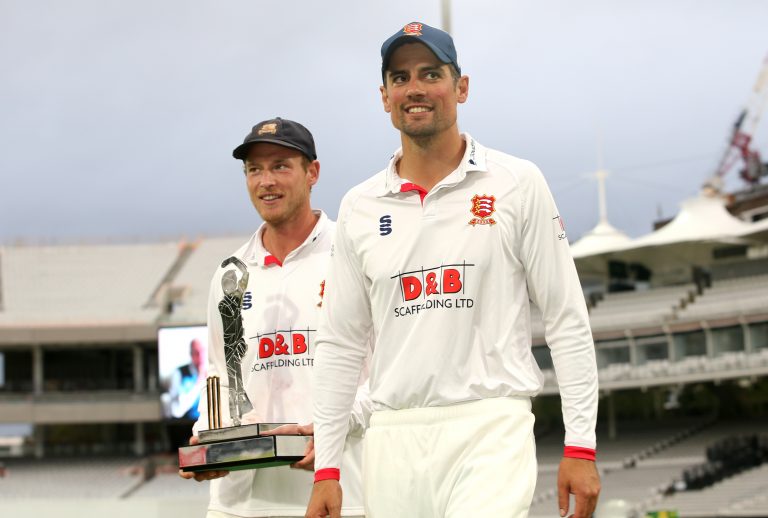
<point x="230" y="309"/>
<point x="239" y="446"/>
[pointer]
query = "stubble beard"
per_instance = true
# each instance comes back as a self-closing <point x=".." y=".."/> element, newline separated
<point x="278" y="218"/>
<point x="289" y="213"/>
<point x="423" y="134"/>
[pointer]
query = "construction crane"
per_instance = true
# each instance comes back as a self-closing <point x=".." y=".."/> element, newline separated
<point x="739" y="144"/>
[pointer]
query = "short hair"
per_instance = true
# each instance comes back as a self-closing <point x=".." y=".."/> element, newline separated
<point x="454" y="74"/>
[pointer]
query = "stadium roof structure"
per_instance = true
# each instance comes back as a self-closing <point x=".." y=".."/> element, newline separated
<point x="592" y="251"/>
<point x="604" y="237"/>
<point x="757" y="230"/>
<point x="105" y="293"/>
<point x="601" y="239"/>
<point x="702" y="224"/>
<point x="703" y="218"/>
<point x="81" y="292"/>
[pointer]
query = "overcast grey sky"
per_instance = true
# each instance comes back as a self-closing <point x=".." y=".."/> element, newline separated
<point x="118" y="118"/>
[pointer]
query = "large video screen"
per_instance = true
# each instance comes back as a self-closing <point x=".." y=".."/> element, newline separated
<point x="182" y="360"/>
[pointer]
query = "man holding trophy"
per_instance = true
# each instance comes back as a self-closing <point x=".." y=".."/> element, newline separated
<point x="262" y="320"/>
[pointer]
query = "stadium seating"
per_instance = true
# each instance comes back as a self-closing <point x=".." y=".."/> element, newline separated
<point x="631" y="310"/>
<point x="81" y="285"/>
<point x="69" y="478"/>
<point x="732" y="496"/>
<point x="171" y="483"/>
<point x="639" y="309"/>
<point x="157" y="283"/>
<point x="729" y="297"/>
<point x="659" y="452"/>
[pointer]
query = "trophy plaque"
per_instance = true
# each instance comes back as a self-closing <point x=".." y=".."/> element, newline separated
<point x="240" y="446"/>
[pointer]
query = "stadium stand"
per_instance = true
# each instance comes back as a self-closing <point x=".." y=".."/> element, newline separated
<point x="695" y="447"/>
<point x="78" y="331"/>
<point x="660" y="453"/>
<point x="69" y="478"/>
<point x="619" y="459"/>
<point x="81" y="285"/>
<point x="741" y="495"/>
<point x="728" y="298"/>
<point x="170" y="483"/>
<point x="639" y="309"/>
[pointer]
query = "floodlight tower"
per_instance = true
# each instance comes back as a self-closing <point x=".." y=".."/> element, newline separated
<point x="446" y="14"/>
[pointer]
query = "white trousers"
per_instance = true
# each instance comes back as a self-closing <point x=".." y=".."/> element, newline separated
<point x="219" y="514"/>
<point x="475" y="459"/>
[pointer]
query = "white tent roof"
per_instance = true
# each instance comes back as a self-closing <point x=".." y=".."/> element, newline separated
<point x="757" y="227"/>
<point x="703" y="218"/>
<point x="602" y="239"/>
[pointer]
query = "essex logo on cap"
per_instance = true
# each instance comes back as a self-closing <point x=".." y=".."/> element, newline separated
<point x="413" y="29"/>
<point x="482" y="208"/>
<point x="270" y="128"/>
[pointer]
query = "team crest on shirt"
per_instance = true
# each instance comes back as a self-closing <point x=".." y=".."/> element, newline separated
<point x="482" y="208"/>
<point x="321" y="294"/>
<point x="413" y="29"/>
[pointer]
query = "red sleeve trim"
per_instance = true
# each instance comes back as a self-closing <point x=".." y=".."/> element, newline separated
<point x="327" y="474"/>
<point x="574" y="452"/>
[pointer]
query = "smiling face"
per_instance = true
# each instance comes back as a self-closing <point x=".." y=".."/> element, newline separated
<point x="279" y="180"/>
<point x="420" y="93"/>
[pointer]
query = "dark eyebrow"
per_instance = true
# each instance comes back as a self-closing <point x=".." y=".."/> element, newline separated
<point x="393" y="72"/>
<point x="426" y="68"/>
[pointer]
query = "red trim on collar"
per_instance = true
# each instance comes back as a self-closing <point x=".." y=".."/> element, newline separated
<point x="576" y="452"/>
<point x="271" y="259"/>
<point x="408" y="186"/>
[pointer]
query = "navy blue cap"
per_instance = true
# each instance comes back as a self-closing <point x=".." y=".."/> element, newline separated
<point x="282" y="132"/>
<point x="439" y="42"/>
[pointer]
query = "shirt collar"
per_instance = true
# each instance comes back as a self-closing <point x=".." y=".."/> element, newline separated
<point x="257" y="255"/>
<point x="473" y="160"/>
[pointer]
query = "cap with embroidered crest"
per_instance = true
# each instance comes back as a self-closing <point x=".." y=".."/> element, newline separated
<point x="439" y="42"/>
<point x="282" y="132"/>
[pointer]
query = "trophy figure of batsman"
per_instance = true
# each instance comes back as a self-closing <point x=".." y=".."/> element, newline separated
<point x="239" y="446"/>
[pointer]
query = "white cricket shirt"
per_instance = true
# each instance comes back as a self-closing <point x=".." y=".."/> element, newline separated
<point x="444" y="283"/>
<point x="280" y="313"/>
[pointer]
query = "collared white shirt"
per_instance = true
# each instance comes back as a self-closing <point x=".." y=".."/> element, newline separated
<point x="281" y="306"/>
<point x="443" y="279"/>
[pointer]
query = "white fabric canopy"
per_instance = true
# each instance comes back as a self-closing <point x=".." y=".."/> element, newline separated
<point x="757" y="229"/>
<point x="702" y="225"/>
<point x="703" y="218"/>
<point x="602" y="239"/>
